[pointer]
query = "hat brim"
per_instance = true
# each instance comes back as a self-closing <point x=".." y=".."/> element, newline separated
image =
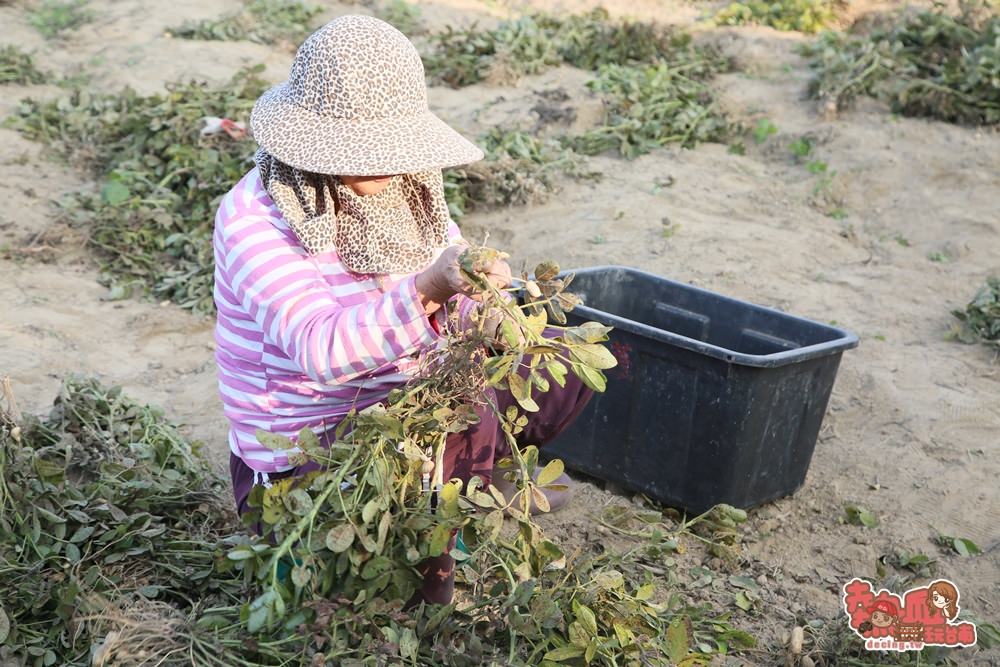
<point x="357" y="147"/>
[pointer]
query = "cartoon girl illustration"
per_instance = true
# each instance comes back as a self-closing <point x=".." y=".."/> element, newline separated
<point x="943" y="596"/>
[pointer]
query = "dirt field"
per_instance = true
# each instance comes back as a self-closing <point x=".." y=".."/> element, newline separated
<point x="913" y="430"/>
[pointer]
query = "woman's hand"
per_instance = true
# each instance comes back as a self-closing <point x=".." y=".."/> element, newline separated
<point x="493" y="320"/>
<point x="443" y="279"/>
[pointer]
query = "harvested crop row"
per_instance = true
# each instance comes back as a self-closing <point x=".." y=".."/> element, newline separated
<point x="653" y="80"/>
<point x="927" y="64"/>
<point x="534" y="43"/>
<point x="808" y="16"/>
<point x="260" y="21"/>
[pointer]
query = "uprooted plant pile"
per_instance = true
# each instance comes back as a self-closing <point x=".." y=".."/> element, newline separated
<point x="980" y="321"/>
<point x="653" y="79"/>
<point x="533" y="43"/>
<point x="101" y="500"/>
<point x="926" y="64"/>
<point x="807" y="16"/>
<point x="161" y="177"/>
<point x="103" y="503"/>
<point x="648" y="106"/>
<point x="16" y="66"/>
<point x="519" y="168"/>
<point x="261" y="21"/>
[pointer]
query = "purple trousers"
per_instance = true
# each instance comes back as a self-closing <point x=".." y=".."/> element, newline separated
<point x="469" y="453"/>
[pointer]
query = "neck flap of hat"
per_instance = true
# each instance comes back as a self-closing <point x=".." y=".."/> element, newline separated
<point x="396" y="230"/>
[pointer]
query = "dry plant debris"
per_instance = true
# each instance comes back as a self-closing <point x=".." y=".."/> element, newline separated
<point x="120" y="541"/>
<point x="807" y="16"/>
<point x="980" y="321"/>
<point x="926" y="64"/>
<point x="261" y="21"/>
<point x="16" y="66"/>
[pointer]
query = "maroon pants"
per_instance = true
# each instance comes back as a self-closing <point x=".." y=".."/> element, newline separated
<point x="471" y="452"/>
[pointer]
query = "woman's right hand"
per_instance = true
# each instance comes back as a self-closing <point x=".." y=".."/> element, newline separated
<point x="443" y="279"/>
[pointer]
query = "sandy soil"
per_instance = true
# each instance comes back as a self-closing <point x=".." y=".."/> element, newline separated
<point x="912" y="430"/>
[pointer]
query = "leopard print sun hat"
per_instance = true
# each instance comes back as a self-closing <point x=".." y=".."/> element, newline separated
<point x="356" y="104"/>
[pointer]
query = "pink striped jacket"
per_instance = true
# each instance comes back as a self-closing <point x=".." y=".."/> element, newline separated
<point x="300" y="340"/>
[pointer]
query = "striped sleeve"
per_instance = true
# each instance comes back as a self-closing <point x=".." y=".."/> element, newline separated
<point x="295" y="307"/>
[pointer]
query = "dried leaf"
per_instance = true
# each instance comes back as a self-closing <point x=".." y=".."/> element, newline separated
<point x="339" y="538"/>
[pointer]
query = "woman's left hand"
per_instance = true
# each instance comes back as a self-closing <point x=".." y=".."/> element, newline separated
<point x="498" y="274"/>
<point x="492" y="323"/>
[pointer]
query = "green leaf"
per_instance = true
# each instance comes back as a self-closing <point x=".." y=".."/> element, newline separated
<point x="82" y="533"/>
<point x="114" y="193"/>
<point x="376" y="567"/>
<point x="408" y="644"/>
<point x="609" y="580"/>
<point x="539" y="381"/>
<point x="519" y="387"/>
<point x="550" y="472"/>
<point x="369" y="511"/>
<point x="861" y="516"/>
<point x="594" y="379"/>
<point x="339" y="538"/>
<point x="625" y="636"/>
<point x="528" y="404"/>
<point x="564" y="653"/>
<point x="509" y="334"/>
<point x="4" y="626"/>
<point x="593" y="355"/>
<point x="744" y="582"/>
<point x="260" y="611"/>
<point x="588" y="332"/>
<point x="301" y="576"/>
<point x="743" y="601"/>
<point x="586" y="617"/>
<point x="273" y="441"/>
<point x="678" y="645"/>
<point x="308" y="441"/>
<point x="557" y="370"/>
<point x="440" y="537"/>
<point x="298" y="502"/>
<point x="240" y="553"/>
<point x="966" y="547"/>
<point x="492" y="524"/>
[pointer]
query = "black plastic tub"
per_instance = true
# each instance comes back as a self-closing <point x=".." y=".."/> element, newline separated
<point x="714" y="400"/>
